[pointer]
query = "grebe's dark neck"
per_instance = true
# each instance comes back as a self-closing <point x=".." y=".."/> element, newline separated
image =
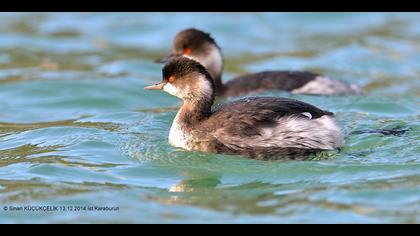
<point x="197" y="102"/>
<point x="194" y="111"/>
<point x="218" y="85"/>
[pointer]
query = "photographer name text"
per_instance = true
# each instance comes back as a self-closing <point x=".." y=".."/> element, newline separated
<point x="58" y="208"/>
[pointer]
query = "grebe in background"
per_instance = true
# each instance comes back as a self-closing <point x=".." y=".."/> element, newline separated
<point x="203" y="48"/>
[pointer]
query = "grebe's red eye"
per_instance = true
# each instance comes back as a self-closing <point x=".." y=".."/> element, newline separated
<point x="171" y="79"/>
<point x="187" y="51"/>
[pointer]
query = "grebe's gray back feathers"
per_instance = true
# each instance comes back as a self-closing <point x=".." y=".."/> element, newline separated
<point x="277" y="107"/>
<point x="267" y="80"/>
<point x="294" y="128"/>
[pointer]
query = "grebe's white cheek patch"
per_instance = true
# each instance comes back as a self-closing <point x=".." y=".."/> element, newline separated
<point x="205" y="86"/>
<point x="169" y="88"/>
<point x="213" y="62"/>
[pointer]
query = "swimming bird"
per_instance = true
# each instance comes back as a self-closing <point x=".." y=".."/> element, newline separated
<point x="256" y="127"/>
<point x="203" y="48"/>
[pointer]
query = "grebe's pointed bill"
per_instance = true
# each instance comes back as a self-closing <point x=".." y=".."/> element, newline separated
<point x="158" y="86"/>
<point x="166" y="59"/>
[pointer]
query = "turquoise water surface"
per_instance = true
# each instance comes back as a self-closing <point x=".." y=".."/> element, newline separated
<point x="77" y="130"/>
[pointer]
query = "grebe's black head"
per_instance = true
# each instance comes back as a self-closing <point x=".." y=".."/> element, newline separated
<point x="187" y="79"/>
<point x="201" y="47"/>
<point x="191" y="42"/>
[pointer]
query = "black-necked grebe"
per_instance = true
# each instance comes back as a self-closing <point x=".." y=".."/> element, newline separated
<point x="203" y="48"/>
<point x="257" y="127"/>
